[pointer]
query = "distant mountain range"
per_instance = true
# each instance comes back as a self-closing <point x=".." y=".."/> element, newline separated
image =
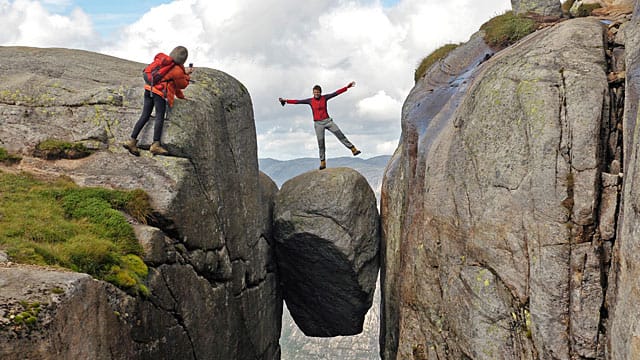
<point x="282" y="170"/>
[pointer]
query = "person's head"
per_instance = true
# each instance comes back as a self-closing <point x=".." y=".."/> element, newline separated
<point x="317" y="91"/>
<point x="179" y="55"/>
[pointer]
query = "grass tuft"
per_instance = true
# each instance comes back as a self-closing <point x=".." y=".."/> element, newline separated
<point x="83" y="229"/>
<point x="52" y="149"/>
<point x="432" y="58"/>
<point x="586" y="9"/>
<point x="566" y="6"/>
<point x="504" y="30"/>
<point x="8" y="159"/>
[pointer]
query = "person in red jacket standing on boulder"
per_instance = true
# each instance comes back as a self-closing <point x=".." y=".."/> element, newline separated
<point x="322" y="120"/>
<point x="157" y="95"/>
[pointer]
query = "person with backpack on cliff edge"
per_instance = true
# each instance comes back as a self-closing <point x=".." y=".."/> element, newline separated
<point x="165" y="78"/>
<point x="322" y="120"/>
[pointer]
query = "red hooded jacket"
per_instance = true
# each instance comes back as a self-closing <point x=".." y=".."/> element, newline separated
<point x="172" y="84"/>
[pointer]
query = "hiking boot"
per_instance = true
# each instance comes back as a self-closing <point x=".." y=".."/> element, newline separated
<point x="132" y="146"/>
<point x="157" y="149"/>
<point x="355" y="151"/>
<point x="323" y="164"/>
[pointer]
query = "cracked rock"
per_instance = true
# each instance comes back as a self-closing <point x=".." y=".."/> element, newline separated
<point x="502" y="176"/>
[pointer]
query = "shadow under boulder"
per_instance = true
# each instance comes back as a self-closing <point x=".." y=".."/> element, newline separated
<point x="327" y="243"/>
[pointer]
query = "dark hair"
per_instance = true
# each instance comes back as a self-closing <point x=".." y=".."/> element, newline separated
<point x="317" y="87"/>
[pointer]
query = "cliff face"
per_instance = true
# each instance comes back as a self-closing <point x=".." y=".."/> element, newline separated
<point x="499" y="207"/>
<point x="625" y="323"/>
<point x="212" y="278"/>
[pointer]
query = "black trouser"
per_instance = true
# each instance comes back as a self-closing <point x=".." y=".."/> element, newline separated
<point x="149" y="103"/>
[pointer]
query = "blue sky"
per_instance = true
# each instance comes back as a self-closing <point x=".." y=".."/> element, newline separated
<point x="276" y="48"/>
<point x="110" y="16"/>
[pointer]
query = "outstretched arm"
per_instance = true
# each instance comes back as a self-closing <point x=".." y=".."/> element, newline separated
<point x="291" y="101"/>
<point x="340" y="91"/>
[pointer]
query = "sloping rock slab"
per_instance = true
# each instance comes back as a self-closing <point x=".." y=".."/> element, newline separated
<point x="327" y="240"/>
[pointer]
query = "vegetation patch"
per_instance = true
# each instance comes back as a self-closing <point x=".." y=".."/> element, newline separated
<point x="432" y="58"/>
<point x="586" y="9"/>
<point x="8" y="159"/>
<point x="83" y="229"/>
<point x="28" y="316"/>
<point x="504" y="30"/>
<point x="566" y="6"/>
<point x="57" y="149"/>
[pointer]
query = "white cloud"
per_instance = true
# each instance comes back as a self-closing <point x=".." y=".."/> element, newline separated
<point x="32" y="25"/>
<point x="379" y="107"/>
<point x="282" y="48"/>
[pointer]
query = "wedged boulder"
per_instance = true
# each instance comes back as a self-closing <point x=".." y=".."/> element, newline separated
<point x="491" y="206"/>
<point x="212" y="279"/>
<point x="326" y="228"/>
<point x="538" y="7"/>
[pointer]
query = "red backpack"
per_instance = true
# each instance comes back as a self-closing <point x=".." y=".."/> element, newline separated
<point x="154" y="72"/>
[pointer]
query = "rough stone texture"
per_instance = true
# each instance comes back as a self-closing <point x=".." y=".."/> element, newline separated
<point x="540" y="7"/>
<point x="614" y="10"/>
<point x="490" y="204"/>
<point x="69" y="305"/>
<point x="609" y="206"/>
<point x="438" y="92"/>
<point x="213" y="284"/>
<point x="606" y="3"/>
<point x="625" y="284"/>
<point x="156" y="245"/>
<point x="326" y="227"/>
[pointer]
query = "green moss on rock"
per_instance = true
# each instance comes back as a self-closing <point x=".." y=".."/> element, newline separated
<point x="584" y="10"/>
<point x="29" y="314"/>
<point x="8" y="159"/>
<point x="53" y="149"/>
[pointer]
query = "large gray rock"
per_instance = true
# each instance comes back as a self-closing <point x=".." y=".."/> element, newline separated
<point x="539" y="7"/>
<point x="490" y="204"/>
<point x="625" y="283"/>
<point x="66" y="304"/>
<point x="214" y="291"/>
<point x="294" y="343"/>
<point x="327" y="238"/>
<point x="433" y="99"/>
